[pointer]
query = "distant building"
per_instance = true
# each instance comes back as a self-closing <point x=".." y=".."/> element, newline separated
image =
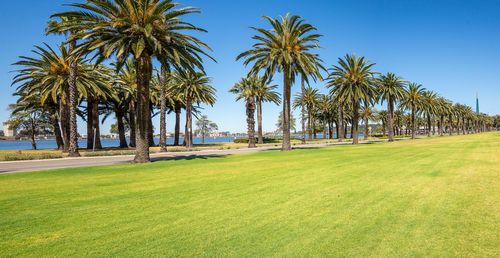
<point x="220" y="134"/>
<point x="8" y="131"/>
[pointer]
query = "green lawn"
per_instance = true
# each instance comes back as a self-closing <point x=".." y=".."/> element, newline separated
<point x="428" y="197"/>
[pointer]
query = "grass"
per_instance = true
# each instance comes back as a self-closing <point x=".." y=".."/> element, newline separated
<point x="428" y="197"/>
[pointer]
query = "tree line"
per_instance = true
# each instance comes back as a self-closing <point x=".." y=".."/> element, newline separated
<point x="105" y="67"/>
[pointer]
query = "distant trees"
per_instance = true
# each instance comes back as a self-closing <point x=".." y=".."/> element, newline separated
<point x="205" y="127"/>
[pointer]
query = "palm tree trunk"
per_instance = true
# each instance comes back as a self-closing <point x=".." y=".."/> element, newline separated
<point x="324" y="128"/>
<point x="441" y="124"/>
<point x="177" y="126"/>
<point x="286" y="110"/>
<point x="96" y="124"/>
<point x="121" y="129"/>
<point x="250" y="106"/>
<point x="450" y="122"/>
<point x="32" y="133"/>
<point x="151" y="139"/>
<point x="64" y="116"/>
<point x="143" y="68"/>
<point x="303" y="111"/>
<point x="365" y="135"/>
<point x="132" y="122"/>
<point x="340" y="123"/>
<point x="163" y="110"/>
<point x="309" y="124"/>
<point x="355" y="121"/>
<point x="390" y="109"/>
<point x="90" y="123"/>
<point x="73" y="130"/>
<point x="429" y="124"/>
<point x="413" y="123"/>
<point x="259" y="121"/>
<point x="57" y="130"/>
<point x="187" y="136"/>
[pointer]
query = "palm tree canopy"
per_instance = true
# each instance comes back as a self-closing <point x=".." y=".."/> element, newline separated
<point x="353" y="79"/>
<point x="391" y="87"/>
<point x="285" y="48"/>
<point x="194" y="86"/>
<point x="47" y="74"/>
<point x="310" y="98"/>
<point x="429" y="105"/>
<point x="413" y="95"/>
<point x="135" y="27"/>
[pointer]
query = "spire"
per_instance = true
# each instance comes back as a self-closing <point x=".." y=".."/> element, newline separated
<point x="477" y="102"/>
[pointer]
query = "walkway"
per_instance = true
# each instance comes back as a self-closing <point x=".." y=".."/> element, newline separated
<point x="48" y="164"/>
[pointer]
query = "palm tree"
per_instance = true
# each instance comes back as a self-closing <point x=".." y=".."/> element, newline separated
<point x="324" y="108"/>
<point x="246" y="89"/>
<point x="195" y="88"/>
<point x="144" y="29"/>
<point x="383" y="116"/>
<point x="309" y="99"/>
<point x="126" y="76"/>
<point x="444" y="110"/>
<point x="54" y="27"/>
<point x="391" y="89"/>
<point x="429" y="107"/>
<point x="353" y="80"/>
<point x="264" y="93"/>
<point x="368" y="113"/>
<point x="47" y="75"/>
<point x="285" y="48"/>
<point x="411" y="100"/>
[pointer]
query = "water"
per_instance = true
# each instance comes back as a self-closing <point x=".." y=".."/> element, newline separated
<point x="51" y="144"/>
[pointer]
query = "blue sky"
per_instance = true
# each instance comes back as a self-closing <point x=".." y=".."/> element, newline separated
<point x="450" y="47"/>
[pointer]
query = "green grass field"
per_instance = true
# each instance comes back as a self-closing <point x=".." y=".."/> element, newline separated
<point x="428" y="197"/>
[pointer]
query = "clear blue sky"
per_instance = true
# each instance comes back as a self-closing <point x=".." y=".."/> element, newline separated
<point x="451" y="47"/>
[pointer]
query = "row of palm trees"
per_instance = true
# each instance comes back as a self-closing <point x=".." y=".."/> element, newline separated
<point x="131" y="34"/>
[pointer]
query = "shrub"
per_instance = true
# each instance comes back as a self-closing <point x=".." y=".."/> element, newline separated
<point x="30" y="156"/>
<point x="237" y="147"/>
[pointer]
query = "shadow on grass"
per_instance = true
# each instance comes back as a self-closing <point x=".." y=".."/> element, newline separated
<point x="190" y="157"/>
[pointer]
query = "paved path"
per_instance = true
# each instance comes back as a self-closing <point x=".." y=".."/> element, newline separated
<point x="37" y="165"/>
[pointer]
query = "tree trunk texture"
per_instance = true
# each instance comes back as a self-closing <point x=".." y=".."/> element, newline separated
<point x="177" y="126"/>
<point x="132" y="123"/>
<point x="90" y="123"/>
<point x="340" y="123"/>
<point x="413" y="123"/>
<point x="303" y="111"/>
<point x="187" y="135"/>
<point x="72" y="92"/>
<point x="96" y="124"/>
<point x="390" y="109"/>
<point x="151" y="139"/>
<point x="286" y="111"/>
<point x="64" y="116"/>
<point x="259" y="122"/>
<point x="121" y="129"/>
<point x="355" y="136"/>
<point x="163" y="110"/>
<point x="32" y="133"/>
<point x="57" y="131"/>
<point x="144" y="69"/>
<point x="250" y="108"/>
<point x="309" y="124"/>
